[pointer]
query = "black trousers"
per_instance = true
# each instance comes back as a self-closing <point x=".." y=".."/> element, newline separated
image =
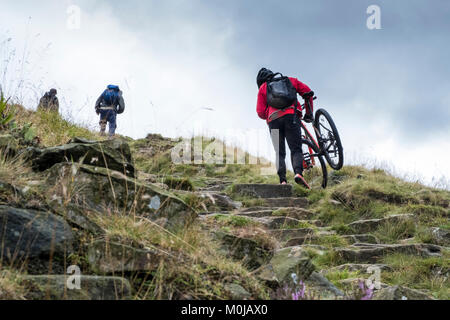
<point x="281" y="130"/>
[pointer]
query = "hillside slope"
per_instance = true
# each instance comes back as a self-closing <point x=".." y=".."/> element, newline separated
<point x="137" y="226"/>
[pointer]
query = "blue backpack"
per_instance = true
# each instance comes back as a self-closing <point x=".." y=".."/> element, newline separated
<point x="111" y="95"/>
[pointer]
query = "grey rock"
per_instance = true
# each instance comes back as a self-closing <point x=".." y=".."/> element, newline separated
<point x="400" y="293"/>
<point x="285" y="263"/>
<point x="287" y="202"/>
<point x="114" y="258"/>
<point x="372" y="253"/>
<point x="323" y="287"/>
<point x="263" y="190"/>
<point x="246" y="250"/>
<point x="77" y="216"/>
<point x="367" y="238"/>
<point x="440" y="236"/>
<point x="99" y="188"/>
<point x="31" y="237"/>
<point x="61" y="287"/>
<point x="354" y="267"/>
<point x="365" y="226"/>
<point x="286" y="234"/>
<point x="222" y="201"/>
<point x="278" y="222"/>
<point x="237" y="292"/>
<point x="113" y="154"/>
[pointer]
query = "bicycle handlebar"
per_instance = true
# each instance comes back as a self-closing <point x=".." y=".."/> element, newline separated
<point x="303" y="105"/>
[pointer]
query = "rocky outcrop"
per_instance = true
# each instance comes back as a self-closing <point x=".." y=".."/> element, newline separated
<point x="365" y="226"/>
<point x="400" y="293"/>
<point x="112" y="154"/>
<point x="33" y="238"/>
<point x="440" y="236"/>
<point x="285" y="263"/>
<point x="98" y="188"/>
<point x="114" y="258"/>
<point x="62" y="287"/>
<point x="366" y="253"/>
<point x="321" y="287"/>
<point x="252" y="254"/>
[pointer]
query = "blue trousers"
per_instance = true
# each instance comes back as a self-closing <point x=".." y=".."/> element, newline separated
<point x="108" y="116"/>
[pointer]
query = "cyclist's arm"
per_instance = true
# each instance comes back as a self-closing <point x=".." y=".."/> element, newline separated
<point x="302" y="89"/>
<point x="261" y="107"/>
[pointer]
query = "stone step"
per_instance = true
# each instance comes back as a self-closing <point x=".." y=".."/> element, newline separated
<point x="286" y="234"/>
<point x="370" y="253"/>
<point x="287" y="202"/>
<point x="45" y="287"/>
<point x="295" y="213"/>
<point x="278" y="222"/>
<point x="299" y="241"/>
<point x="358" y="238"/>
<point x="263" y="190"/>
<point x="219" y="200"/>
<point x="365" y="226"/>
<point x="354" y="267"/>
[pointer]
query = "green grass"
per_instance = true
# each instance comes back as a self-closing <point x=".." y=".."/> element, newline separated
<point x="336" y="276"/>
<point x="393" y="232"/>
<point x="418" y="273"/>
<point x="178" y="183"/>
<point x="233" y="221"/>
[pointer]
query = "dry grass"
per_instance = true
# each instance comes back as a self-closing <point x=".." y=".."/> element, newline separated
<point x="51" y="128"/>
<point x="202" y="272"/>
<point x="10" y="288"/>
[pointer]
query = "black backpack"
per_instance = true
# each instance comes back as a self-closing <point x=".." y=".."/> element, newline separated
<point x="281" y="94"/>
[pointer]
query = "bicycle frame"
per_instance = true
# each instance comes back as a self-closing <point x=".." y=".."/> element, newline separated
<point x="308" y="134"/>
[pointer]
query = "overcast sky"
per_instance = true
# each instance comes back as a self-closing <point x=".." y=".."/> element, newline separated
<point x="388" y="89"/>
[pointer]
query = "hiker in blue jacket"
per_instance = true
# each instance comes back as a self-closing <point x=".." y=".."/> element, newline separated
<point x="108" y="106"/>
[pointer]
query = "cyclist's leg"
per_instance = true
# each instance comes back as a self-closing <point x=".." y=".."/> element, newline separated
<point x="294" y="139"/>
<point x="279" y="142"/>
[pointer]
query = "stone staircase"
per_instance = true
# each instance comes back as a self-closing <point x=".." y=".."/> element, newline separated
<point x="287" y="220"/>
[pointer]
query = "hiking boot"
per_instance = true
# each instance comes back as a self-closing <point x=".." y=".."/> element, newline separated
<point x="301" y="181"/>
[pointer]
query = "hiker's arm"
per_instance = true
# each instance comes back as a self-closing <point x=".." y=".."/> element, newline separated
<point x="97" y="104"/>
<point x="121" y="104"/>
<point x="261" y="107"/>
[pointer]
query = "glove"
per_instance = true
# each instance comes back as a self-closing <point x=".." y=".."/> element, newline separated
<point x="308" y="118"/>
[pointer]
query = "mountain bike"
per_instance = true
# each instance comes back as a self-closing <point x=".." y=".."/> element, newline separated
<point x="328" y="144"/>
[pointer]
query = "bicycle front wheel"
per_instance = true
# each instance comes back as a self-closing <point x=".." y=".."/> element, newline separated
<point x="313" y="160"/>
<point x="329" y="139"/>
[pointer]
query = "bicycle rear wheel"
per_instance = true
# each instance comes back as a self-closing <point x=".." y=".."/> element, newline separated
<point x="313" y="159"/>
<point x="329" y="139"/>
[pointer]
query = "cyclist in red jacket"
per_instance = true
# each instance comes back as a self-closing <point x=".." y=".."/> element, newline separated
<point x="283" y="121"/>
